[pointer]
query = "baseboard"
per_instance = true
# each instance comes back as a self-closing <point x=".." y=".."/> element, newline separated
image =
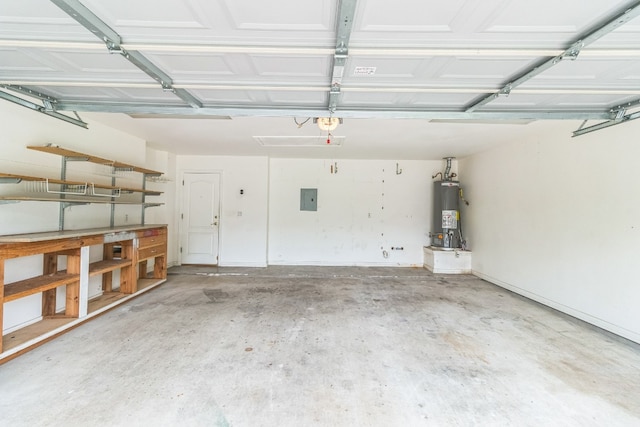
<point x="600" y="323"/>
<point x="242" y="264"/>
<point x="345" y="264"/>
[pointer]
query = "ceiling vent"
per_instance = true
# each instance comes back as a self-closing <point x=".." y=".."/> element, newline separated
<point x="299" y="141"/>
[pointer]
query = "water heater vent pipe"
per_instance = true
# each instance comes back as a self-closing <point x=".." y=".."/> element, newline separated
<point x="446" y="176"/>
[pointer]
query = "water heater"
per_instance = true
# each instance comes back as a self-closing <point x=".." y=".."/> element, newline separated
<point x="446" y="230"/>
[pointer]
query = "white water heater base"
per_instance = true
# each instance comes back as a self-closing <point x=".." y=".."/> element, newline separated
<point x="450" y="261"/>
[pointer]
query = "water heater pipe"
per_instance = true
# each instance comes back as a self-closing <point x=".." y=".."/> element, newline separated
<point x="448" y="177"/>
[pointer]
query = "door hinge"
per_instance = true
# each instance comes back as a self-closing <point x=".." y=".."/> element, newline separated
<point x="183" y="182"/>
<point x="181" y="216"/>
<point x="180" y="249"/>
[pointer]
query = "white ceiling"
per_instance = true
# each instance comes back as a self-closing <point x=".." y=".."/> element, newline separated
<point x="262" y="65"/>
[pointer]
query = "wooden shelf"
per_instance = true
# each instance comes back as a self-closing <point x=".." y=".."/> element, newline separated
<point x="64" y="182"/>
<point x="37" y="284"/>
<point x="104" y="300"/>
<point x="33" y="331"/>
<point x="83" y="201"/>
<point x="148" y="283"/>
<point x="52" y="149"/>
<point x="100" y="267"/>
<point x="85" y="192"/>
<point x="35" y="178"/>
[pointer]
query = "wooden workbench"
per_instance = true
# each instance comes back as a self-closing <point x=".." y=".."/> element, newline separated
<point x="125" y="248"/>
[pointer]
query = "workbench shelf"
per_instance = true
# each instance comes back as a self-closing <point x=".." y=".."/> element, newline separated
<point x="107" y="265"/>
<point x="34" y="285"/>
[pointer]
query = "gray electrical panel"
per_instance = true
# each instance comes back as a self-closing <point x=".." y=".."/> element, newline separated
<point x="308" y="199"/>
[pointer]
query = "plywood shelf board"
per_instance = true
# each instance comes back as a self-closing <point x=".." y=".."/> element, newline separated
<point x="100" y="267"/>
<point x="81" y="201"/>
<point x="149" y="283"/>
<point x="52" y="149"/>
<point x="104" y="300"/>
<point x="37" y="284"/>
<point x="65" y="182"/>
<point x="73" y="239"/>
<point x="33" y="332"/>
<point x="36" y="178"/>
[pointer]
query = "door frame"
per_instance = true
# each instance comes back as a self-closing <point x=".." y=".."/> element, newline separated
<point x="181" y="194"/>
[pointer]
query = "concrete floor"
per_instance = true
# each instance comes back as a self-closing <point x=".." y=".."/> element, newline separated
<point x="305" y="346"/>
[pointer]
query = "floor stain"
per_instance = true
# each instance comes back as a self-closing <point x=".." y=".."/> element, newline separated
<point x="605" y="383"/>
<point x="216" y="295"/>
<point x="465" y="345"/>
<point x="263" y="290"/>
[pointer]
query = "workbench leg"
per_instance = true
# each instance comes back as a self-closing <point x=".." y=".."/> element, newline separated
<point x="83" y="291"/>
<point x="72" y="307"/>
<point x="160" y="267"/>
<point x="128" y="281"/>
<point x="50" y="266"/>
<point x="107" y="278"/>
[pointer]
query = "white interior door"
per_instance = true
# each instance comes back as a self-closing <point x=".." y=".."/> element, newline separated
<point x="200" y="218"/>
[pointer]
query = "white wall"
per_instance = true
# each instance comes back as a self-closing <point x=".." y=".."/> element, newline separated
<point x="242" y="239"/>
<point x="363" y="209"/>
<point x="557" y="219"/>
<point x="22" y="127"/>
<point x="165" y="214"/>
